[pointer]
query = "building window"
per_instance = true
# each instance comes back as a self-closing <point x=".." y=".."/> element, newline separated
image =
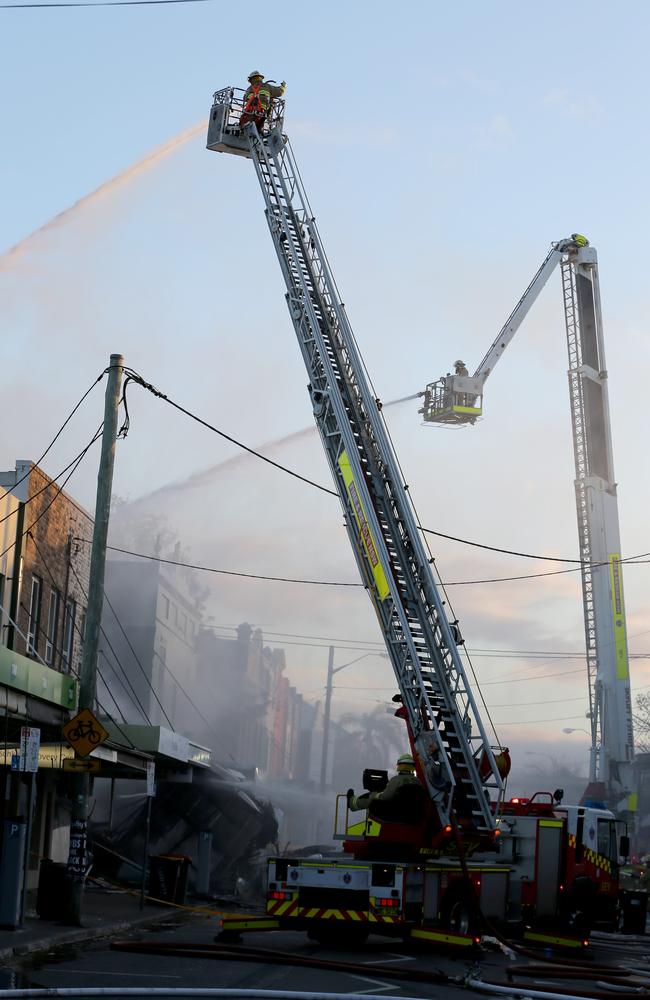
<point x="52" y="626"/>
<point x="34" y="615"/>
<point x="165" y="606"/>
<point x="82" y="630"/>
<point x="183" y="623"/>
<point x="68" y="633"/>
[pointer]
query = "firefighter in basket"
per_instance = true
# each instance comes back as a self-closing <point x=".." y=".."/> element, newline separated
<point x="258" y="99"/>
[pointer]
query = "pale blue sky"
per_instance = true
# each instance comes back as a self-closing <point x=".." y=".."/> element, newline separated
<point x="443" y="147"/>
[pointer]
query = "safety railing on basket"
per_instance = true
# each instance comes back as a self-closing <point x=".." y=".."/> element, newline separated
<point x="233" y="97"/>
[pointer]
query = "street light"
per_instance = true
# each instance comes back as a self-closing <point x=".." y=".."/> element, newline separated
<point x="592" y="749"/>
<point x="331" y="670"/>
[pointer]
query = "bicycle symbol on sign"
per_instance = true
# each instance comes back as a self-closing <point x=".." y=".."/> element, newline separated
<point x="84" y="731"/>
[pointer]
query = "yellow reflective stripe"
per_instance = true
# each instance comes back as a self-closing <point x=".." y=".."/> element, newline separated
<point x="372" y="828"/>
<point x="312" y="912"/>
<point x="618" y="610"/>
<point x="466" y="409"/>
<point x="553" y="939"/>
<point x="550" y="822"/>
<point x="281" y="909"/>
<point x="254" y="924"/>
<point x="361" y="519"/>
<point x="426" y="935"/>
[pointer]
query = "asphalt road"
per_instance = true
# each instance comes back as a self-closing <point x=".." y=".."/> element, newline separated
<point x="95" y="965"/>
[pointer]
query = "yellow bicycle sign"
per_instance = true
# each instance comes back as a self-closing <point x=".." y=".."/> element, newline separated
<point x="84" y="732"/>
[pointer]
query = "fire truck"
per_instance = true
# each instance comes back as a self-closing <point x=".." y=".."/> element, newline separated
<point x="469" y="856"/>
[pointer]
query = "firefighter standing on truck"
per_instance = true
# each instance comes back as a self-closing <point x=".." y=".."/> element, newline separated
<point x="258" y="98"/>
<point x="402" y="799"/>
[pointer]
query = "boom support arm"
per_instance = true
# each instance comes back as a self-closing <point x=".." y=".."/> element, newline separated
<point x="519" y="313"/>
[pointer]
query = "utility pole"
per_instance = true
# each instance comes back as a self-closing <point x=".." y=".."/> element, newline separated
<point x="326" y="719"/>
<point x="331" y="670"/>
<point x="88" y="676"/>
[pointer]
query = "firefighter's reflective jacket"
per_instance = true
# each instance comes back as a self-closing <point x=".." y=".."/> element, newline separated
<point x="402" y="800"/>
<point x="257" y="99"/>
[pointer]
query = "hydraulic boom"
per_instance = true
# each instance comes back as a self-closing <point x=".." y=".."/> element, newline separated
<point x="457" y="400"/>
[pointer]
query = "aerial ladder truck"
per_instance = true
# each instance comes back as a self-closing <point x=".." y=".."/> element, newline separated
<point x="458" y="400"/>
<point x="417" y="879"/>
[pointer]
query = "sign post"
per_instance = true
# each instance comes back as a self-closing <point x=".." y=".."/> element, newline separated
<point x="151" y="791"/>
<point x="30" y="744"/>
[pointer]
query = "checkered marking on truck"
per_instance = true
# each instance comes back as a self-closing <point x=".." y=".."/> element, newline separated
<point x="291" y="908"/>
<point x="599" y="860"/>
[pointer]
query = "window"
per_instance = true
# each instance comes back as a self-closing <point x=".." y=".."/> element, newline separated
<point x="165" y="606"/>
<point x="52" y="626"/>
<point x="183" y="623"/>
<point x="68" y="633"/>
<point x="607" y="845"/>
<point x="82" y="629"/>
<point x="34" y="615"/>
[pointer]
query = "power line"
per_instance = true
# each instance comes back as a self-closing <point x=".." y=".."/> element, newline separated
<point x="135" y="377"/>
<point x="75" y="463"/>
<point x="535" y="722"/>
<point x="79" y="632"/>
<point x="100" y="3"/>
<point x="112" y="649"/>
<point x="49" y="447"/>
<point x="137" y="660"/>
<point x="313" y="583"/>
<point x="228" y="572"/>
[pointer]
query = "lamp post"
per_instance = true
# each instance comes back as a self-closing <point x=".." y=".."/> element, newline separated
<point x="592" y="749"/>
<point x="331" y="670"/>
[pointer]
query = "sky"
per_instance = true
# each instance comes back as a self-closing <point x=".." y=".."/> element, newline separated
<point x="443" y="148"/>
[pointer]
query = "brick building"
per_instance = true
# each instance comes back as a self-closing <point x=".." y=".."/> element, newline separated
<point x="45" y="598"/>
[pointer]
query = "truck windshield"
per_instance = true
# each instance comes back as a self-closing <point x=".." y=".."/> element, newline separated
<point x="607" y="845"/>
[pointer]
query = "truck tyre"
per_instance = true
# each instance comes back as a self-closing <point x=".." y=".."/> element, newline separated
<point x="457" y="913"/>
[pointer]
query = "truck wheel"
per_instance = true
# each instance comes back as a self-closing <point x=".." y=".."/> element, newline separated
<point x="457" y="915"/>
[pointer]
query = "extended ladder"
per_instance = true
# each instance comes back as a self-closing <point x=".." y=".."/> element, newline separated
<point x="610" y="706"/>
<point x="450" y="741"/>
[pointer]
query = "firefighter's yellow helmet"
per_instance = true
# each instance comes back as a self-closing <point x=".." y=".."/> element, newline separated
<point x="405" y="763"/>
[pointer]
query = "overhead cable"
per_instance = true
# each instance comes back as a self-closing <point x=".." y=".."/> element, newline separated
<point x="100" y="3"/>
<point x="313" y="583"/>
<point x="49" y="447"/>
<point x="108" y="642"/>
<point x="135" y="377"/>
<point x="75" y="463"/>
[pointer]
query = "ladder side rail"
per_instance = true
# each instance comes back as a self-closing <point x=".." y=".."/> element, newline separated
<point x="308" y="323"/>
<point x="408" y="528"/>
<point x="296" y="264"/>
<point x="625" y="710"/>
<point x="519" y="313"/>
<point x="581" y="462"/>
